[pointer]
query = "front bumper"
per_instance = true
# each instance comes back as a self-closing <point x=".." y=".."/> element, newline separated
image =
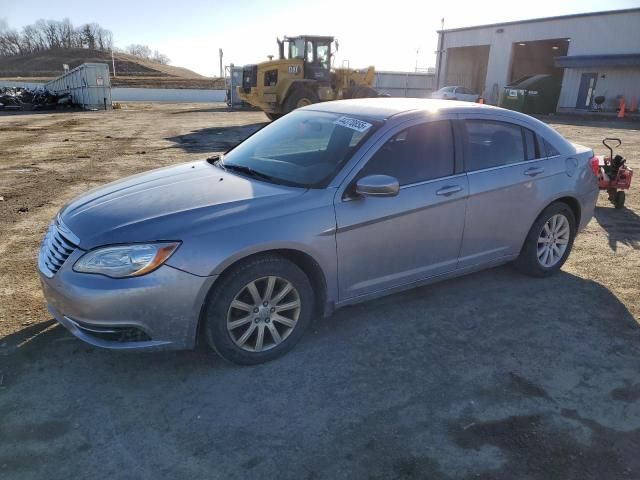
<point x="159" y="310"/>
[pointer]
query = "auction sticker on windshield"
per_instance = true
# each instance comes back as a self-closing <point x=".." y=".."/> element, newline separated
<point x="353" y="124"/>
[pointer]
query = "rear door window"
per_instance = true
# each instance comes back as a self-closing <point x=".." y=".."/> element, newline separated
<point x="532" y="149"/>
<point x="492" y="144"/>
<point x="550" y="150"/>
<point x="416" y="154"/>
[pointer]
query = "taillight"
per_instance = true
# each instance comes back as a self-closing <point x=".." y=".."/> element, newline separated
<point x="595" y="166"/>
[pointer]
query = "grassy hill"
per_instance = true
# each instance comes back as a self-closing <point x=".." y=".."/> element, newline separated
<point x="131" y="71"/>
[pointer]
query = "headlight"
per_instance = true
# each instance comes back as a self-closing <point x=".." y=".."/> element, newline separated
<point x="126" y="260"/>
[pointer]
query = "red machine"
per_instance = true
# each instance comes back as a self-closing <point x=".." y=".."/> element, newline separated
<point x="613" y="175"/>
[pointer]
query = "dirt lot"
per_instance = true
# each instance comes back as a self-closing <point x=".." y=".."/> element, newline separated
<point x="492" y="376"/>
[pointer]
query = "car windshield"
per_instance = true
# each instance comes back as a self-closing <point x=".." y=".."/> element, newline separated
<point x="304" y="148"/>
<point x="446" y="89"/>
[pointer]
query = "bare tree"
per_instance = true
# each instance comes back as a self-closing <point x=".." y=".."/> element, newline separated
<point x="144" y="51"/>
<point x="48" y="34"/>
<point x="104" y="39"/>
<point x="160" y="58"/>
<point x="32" y="41"/>
<point x="138" y="50"/>
<point x="66" y="33"/>
<point x="11" y="43"/>
<point x="51" y="32"/>
<point x="88" y="35"/>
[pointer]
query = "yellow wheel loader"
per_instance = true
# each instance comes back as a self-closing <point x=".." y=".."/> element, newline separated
<point x="302" y="75"/>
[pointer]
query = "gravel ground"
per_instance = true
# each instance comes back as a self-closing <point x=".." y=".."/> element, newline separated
<point x="491" y="376"/>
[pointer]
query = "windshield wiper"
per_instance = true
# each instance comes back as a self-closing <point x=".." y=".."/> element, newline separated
<point x="216" y="160"/>
<point x="246" y="170"/>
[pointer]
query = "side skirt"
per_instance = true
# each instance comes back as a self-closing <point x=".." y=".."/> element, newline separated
<point x="421" y="283"/>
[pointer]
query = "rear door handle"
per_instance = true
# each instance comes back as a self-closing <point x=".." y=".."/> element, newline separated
<point x="449" y="190"/>
<point x="533" y="171"/>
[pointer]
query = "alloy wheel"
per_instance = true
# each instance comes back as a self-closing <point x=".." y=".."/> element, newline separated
<point x="553" y="240"/>
<point x="263" y="314"/>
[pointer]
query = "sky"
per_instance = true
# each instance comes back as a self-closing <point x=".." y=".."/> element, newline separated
<point x="391" y="35"/>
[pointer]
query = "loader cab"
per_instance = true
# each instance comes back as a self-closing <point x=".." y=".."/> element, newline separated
<point x="315" y="53"/>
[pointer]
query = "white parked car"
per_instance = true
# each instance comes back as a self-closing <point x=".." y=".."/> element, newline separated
<point x="456" y="93"/>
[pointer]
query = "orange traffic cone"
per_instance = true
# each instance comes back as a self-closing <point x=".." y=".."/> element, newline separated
<point x="621" y="110"/>
<point x="634" y="104"/>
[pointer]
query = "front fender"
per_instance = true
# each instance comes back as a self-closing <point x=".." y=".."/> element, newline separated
<point x="306" y="225"/>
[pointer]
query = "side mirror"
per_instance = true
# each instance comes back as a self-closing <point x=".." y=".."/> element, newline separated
<point x="378" y="186"/>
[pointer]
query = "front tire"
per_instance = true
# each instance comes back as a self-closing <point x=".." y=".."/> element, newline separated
<point x="259" y="310"/>
<point x="549" y="241"/>
<point x="300" y="97"/>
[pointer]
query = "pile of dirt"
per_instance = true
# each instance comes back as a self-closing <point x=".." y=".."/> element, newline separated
<point x="131" y="71"/>
<point x="49" y="64"/>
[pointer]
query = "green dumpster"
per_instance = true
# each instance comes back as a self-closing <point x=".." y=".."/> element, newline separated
<point x="532" y="94"/>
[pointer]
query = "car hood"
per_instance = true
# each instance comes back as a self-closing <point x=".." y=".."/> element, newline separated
<point x="166" y="204"/>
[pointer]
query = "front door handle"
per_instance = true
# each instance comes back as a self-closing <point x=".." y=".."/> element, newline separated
<point x="533" y="171"/>
<point x="449" y="190"/>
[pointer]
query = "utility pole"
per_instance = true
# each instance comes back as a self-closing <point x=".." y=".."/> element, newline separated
<point x="221" y="68"/>
<point x="113" y="62"/>
<point x="417" y="53"/>
<point x="439" y="53"/>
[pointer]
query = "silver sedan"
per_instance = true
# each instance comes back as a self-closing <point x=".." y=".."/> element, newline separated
<point x="333" y="204"/>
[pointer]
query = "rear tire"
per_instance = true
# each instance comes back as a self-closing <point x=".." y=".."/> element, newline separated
<point x="241" y="328"/>
<point x="619" y="200"/>
<point x="300" y="97"/>
<point x="554" y="232"/>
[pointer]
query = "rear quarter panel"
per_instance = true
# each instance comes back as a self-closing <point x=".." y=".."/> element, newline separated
<point x="585" y="183"/>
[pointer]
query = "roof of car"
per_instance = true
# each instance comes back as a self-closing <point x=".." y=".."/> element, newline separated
<point x="379" y="109"/>
<point x="386" y="107"/>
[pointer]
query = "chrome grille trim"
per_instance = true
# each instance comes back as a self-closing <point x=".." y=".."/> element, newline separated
<point x="56" y="247"/>
<point x="71" y="239"/>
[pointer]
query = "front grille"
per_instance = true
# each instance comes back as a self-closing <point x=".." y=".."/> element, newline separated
<point x="55" y="249"/>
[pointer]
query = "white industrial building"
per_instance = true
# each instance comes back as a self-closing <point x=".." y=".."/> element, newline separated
<point x="590" y="54"/>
